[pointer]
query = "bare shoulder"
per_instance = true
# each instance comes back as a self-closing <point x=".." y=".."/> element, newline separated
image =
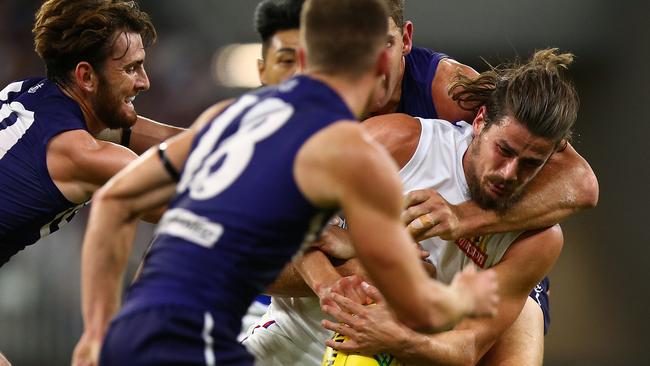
<point x="339" y="158"/>
<point x="537" y="250"/>
<point x="446" y="107"/>
<point x="209" y="114"/>
<point x="398" y="133"/>
<point x="73" y="142"/>
<point x="79" y="164"/>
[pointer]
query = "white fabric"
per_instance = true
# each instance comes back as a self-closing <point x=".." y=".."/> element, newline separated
<point x="436" y="163"/>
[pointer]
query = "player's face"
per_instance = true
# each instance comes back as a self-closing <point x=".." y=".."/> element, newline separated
<point x="120" y="80"/>
<point x="392" y="81"/>
<point x="281" y="60"/>
<point x="501" y="160"/>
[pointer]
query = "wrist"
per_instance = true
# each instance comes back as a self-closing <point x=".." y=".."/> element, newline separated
<point x="473" y="220"/>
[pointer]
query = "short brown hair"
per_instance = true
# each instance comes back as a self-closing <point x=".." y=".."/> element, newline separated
<point x="343" y="37"/>
<point x="68" y="32"/>
<point x="536" y="93"/>
<point x="396" y="12"/>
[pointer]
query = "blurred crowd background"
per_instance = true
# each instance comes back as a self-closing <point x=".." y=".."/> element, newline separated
<point x="599" y="297"/>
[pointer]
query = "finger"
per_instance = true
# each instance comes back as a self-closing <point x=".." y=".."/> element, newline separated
<point x="415" y="197"/>
<point x="347" y="305"/>
<point x="347" y="346"/>
<point x="421" y="224"/>
<point x="338" y="327"/>
<point x="335" y="221"/>
<point x="372" y="292"/>
<point x="413" y="212"/>
<point x="339" y="314"/>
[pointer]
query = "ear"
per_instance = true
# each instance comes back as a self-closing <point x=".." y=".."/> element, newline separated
<point x="302" y="60"/>
<point x="261" y="67"/>
<point x="479" y="121"/>
<point x="407" y="37"/>
<point x="85" y="77"/>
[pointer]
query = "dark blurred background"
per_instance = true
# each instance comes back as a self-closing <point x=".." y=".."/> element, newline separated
<point x="599" y="285"/>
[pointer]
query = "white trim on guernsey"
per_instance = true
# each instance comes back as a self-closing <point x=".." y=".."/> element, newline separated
<point x="208" y="325"/>
<point x="11" y="88"/>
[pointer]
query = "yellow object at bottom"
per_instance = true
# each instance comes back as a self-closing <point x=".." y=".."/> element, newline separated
<point x="333" y="357"/>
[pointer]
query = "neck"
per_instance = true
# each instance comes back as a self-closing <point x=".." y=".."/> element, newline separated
<point x="355" y="93"/>
<point x="93" y="122"/>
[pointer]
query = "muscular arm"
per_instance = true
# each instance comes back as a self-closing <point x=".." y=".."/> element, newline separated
<point x="523" y="265"/>
<point x="140" y="187"/>
<point x="359" y="176"/>
<point x="564" y="186"/>
<point x="109" y="237"/>
<point x="147" y="133"/>
<point x="446" y="107"/>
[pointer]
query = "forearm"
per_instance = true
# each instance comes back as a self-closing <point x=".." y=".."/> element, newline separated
<point x="289" y="284"/>
<point x="309" y="273"/>
<point x="106" y="249"/>
<point x="316" y="270"/>
<point x="563" y="187"/>
<point x="146" y="133"/>
<point x="456" y="347"/>
<point x="419" y="302"/>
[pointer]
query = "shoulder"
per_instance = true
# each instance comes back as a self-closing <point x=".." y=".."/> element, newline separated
<point x="537" y="250"/>
<point x="398" y="133"/>
<point x="80" y="148"/>
<point x="446" y="107"/>
<point x="342" y="157"/>
<point x="209" y="114"/>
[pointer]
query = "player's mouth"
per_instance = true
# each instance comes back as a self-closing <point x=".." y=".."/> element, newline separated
<point x="498" y="189"/>
<point x="129" y="100"/>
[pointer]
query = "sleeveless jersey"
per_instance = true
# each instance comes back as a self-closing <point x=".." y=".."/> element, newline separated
<point x="419" y="71"/>
<point x="31" y="206"/>
<point x="436" y="163"/>
<point x="238" y="216"/>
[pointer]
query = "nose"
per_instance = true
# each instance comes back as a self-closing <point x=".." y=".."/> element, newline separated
<point x="509" y="170"/>
<point x="142" y="82"/>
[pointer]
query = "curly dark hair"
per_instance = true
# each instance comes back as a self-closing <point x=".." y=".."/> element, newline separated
<point x="68" y="32"/>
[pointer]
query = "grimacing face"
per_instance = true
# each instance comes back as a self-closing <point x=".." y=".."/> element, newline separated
<point x="501" y="160"/>
<point x="281" y="59"/>
<point x="121" y="78"/>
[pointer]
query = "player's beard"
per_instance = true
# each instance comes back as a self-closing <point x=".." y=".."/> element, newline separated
<point x="110" y="108"/>
<point x="478" y="193"/>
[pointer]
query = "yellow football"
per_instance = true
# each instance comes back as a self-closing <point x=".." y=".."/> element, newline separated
<point x="333" y="357"/>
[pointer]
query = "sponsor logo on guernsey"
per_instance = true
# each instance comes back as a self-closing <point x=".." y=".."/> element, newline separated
<point x="191" y="227"/>
<point x="475" y="249"/>
<point x="34" y="88"/>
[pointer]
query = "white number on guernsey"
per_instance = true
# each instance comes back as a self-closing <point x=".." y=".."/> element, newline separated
<point x="236" y="151"/>
<point x="10" y="135"/>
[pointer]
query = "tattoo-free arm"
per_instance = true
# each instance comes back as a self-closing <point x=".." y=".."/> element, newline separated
<point x="563" y="187"/>
<point x="147" y="133"/>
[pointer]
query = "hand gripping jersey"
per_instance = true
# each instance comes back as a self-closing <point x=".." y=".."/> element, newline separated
<point x="294" y="334"/>
<point x="32" y="112"/>
<point x="237" y="216"/>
